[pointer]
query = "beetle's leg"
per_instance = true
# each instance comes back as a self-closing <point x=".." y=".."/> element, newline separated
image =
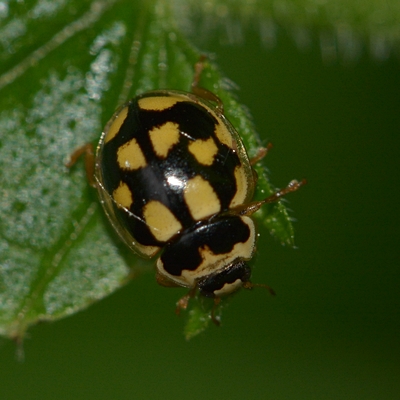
<point x="200" y="91"/>
<point x="88" y="152"/>
<point x="198" y="69"/>
<point x="183" y="302"/>
<point x="261" y="153"/>
<point x="251" y="208"/>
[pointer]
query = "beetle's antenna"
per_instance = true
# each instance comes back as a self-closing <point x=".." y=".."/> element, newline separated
<point x="250" y="285"/>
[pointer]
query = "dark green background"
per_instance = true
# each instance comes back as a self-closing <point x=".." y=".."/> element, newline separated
<point x="332" y="332"/>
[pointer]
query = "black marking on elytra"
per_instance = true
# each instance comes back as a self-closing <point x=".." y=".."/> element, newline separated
<point x="184" y="252"/>
<point x="151" y="182"/>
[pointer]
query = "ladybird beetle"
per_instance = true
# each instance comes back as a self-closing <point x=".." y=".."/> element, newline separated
<point x="175" y="180"/>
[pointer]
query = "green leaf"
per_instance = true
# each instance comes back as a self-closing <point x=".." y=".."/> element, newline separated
<point x="65" y="67"/>
<point x="198" y="319"/>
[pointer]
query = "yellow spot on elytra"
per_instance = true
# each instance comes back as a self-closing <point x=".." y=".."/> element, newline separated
<point x="146" y="251"/>
<point x="130" y="156"/>
<point x="204" y="150"/>
<point x="201" y="198"/>
<point x="116" y="125"/>
<point x="123" y="195"/>
<point x="241" y="187"/>
<point x="162" y="223"/>
<point x="224" y="135"/>
<point x="158" y="103"/>
<point x="164" y="137"/>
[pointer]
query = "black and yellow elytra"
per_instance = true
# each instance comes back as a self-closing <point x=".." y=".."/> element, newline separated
<point x="170" y="169"/>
